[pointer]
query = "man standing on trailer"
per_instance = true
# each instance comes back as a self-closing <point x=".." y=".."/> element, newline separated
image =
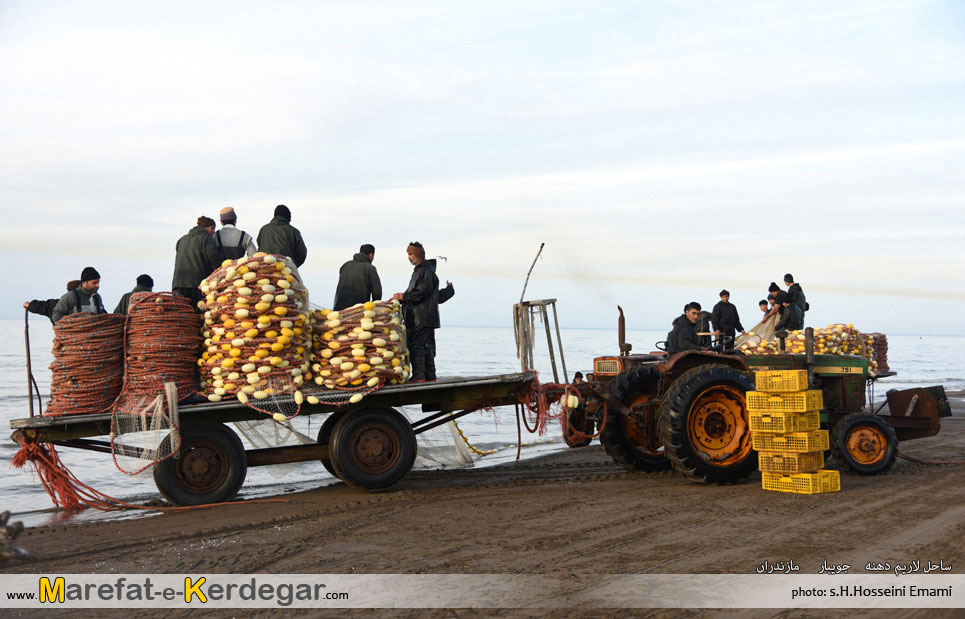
<point x="358" y="280"/>
<point x="279" y="236"/>
<point x="725" y="318"/>
<point x="83" y="298"/>
<point x="196" y="256"/>
<point x="232" y="242"/>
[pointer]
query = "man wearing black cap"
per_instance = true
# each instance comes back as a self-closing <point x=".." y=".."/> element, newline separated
<point x="795" y="293"/>
<point x="358" y="280"/>
<point x="196" y="257"/>
<point x="145" y="283"/>
<point x="83" y="298"/>
<point x="725" y="318"/>
<point x="278" y="236"/>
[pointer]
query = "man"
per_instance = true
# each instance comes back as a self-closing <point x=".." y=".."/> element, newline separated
<point x="358" y="280"/>
<point x="83" y="298"/>
<point x="196" y="257"/>
<point x="145" y="283"/>
<point x="796" y="294"/>
<point x="792" y="318"/>
<point x="278" y="236"/>
<point x="763" y="305"/>
<point x="684" y="334"/>
<point x="232" y="242"/>
<point x="421" y="307"/>
<point x="725" y="318"/>
<point x="46" y="308"/>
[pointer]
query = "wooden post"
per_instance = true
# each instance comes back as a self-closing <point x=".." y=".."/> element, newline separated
<point x="559" y="340"/>
<point x="549" y="340"/>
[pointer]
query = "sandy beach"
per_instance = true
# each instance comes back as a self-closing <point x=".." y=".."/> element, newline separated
<point x="569" y="513"/>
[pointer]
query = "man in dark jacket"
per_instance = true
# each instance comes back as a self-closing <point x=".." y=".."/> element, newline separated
<point x="358" y="281"/>
<point x="145" y="283"/>
<point x="684" y="334"/>
<point x="796" y="294"/>
<point x="421" y="309"/>
<point x="725" y="318"/>
<point x="792" y="318"/>
<point x="46" y="308"/>
<point x="197" y="256"/>
<point x="278" y="236"/>
<point x="83" y="298"/>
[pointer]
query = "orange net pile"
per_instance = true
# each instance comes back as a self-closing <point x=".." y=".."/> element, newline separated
<point x="88" y="363"/>
<point x="163" y="340"/>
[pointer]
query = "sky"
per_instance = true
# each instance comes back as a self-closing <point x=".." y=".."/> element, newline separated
<point x="661" y="150"/>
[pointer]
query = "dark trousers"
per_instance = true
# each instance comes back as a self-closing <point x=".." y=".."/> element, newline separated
<point x="422" y="352"/>
<point x="192" y="294"/>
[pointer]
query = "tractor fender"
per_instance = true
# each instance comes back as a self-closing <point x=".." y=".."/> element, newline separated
<point x="688" y="359"/>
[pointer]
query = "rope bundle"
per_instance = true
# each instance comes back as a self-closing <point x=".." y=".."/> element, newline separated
<point x="162" y="340"/>
<point x="87" y="370"/>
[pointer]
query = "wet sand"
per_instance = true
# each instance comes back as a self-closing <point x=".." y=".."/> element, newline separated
<point x="568" y="513"/>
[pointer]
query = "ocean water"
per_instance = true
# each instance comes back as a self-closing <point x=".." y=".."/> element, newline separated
<point x="462" y="351"/>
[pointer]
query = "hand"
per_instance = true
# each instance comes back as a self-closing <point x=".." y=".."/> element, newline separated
<point x="448" y="283"/>
<point x="396" y="297"/>
<point x="26" y="304"/>
<point x="717" y="332"/>
<point x="743" y="332"/>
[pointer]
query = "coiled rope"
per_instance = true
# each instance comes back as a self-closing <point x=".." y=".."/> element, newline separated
<point x="87" y="370"/>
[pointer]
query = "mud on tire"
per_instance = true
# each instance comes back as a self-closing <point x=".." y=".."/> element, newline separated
<point x="617" y="436"/>
<point x="704" y="424"/>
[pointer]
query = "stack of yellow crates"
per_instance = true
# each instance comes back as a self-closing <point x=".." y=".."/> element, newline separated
<point x="785" y="417"/>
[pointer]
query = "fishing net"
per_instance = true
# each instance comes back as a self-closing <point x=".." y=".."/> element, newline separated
<point x="142" y="437"/>
<point x="162" y="339"/>
<point x="87" y="369"/>
<point x="256" y="331"/>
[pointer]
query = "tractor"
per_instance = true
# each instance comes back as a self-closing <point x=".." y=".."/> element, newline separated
<point x="688" y="411"/>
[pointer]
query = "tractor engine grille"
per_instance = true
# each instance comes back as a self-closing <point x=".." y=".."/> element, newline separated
<point x="606" y="367"/>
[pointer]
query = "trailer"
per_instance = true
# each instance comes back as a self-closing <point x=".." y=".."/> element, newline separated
<point x="369" y="444"/>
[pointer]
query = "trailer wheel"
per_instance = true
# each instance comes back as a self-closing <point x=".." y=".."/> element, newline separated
<point x="864" y="444"/>
<point x="625" y="439"/>
<point x="372" y="448"/>
<point x="704" y="424"/>
<point x="209" y="468"/>
<point x="324" y="435"/>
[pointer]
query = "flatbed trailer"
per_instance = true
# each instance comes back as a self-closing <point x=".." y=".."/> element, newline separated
<point x="368" y="444"/>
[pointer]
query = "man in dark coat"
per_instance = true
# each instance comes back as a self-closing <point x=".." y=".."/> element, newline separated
<point x="197" y="256"/>
<point x="83" y="298"/>
<point x="792" y="318"/>
<point x="278" y="236"/>
<point x="46" y="308"/>
<point x="145" y="283"/>
<point x="725" y="318"/>
<point x="796" y="294"/>
<point x="358" y="281"/>
<point x="684" y="334"/>
<point x="421" y="309"/>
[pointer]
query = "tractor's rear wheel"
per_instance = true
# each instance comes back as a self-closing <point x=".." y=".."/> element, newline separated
<point x="704" y="425"/>
<point x="631" y="441"/>
<point x="864" y="444"/>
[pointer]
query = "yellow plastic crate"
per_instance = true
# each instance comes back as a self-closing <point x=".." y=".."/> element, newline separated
<point x="802" y="483"/>
<point x="800" y="402"/>
<point x="795" y="442"/>
<point x="782" y="423"/>
<point x="779" y="381"/>
<point x="777" y="462"/>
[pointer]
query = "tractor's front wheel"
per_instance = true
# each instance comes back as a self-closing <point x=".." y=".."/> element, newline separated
<point x="864" y="444"/>
<point x="704" y="425"/>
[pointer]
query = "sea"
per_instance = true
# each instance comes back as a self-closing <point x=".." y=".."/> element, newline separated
<point x="919" y="360"/>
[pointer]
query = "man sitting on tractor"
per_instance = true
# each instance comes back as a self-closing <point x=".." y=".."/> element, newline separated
<point x="684" y="334"/>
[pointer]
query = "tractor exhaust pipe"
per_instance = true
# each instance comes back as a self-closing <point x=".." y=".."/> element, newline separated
<point x="622" y="333"/>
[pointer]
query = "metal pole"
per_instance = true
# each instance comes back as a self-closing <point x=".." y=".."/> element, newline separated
<point x="549" y="340"/>
<point x="559" y="340"/>
<point x="26" y="339"/>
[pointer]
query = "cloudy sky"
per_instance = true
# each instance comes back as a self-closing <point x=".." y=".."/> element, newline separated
<point x="661" y="150"/>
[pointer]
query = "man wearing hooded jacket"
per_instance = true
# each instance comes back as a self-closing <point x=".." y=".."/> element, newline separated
<point x="358" y="281"/>
<point x="279" y="236"/>
<point x="421" y="309"/>
<point x="196" y="257"/>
